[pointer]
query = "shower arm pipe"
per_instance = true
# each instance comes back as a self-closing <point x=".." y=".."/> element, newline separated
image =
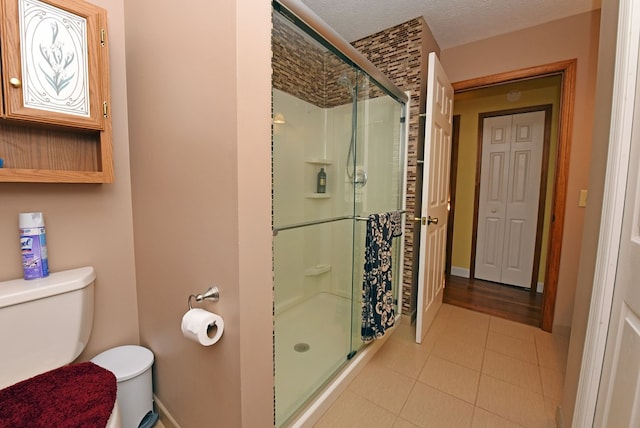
<point x="303" y="13"/>
<point x="314" y="222"/>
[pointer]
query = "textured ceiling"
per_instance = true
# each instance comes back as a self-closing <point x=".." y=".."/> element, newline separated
<point x="452" y="22"/>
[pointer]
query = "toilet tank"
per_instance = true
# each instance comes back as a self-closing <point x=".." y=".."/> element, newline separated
<point x="44" y="323"/>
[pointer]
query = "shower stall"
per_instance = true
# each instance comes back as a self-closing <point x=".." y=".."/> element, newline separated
<point x="338" y="156"/>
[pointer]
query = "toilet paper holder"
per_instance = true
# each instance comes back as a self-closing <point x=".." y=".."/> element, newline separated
<point x="212" y="293"/>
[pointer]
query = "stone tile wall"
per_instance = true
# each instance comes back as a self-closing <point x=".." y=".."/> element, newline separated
<point x="298" y="64"/>
<point x="400" y="54"/>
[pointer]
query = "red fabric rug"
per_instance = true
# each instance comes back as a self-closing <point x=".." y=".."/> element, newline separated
<point x="73" y="396"/>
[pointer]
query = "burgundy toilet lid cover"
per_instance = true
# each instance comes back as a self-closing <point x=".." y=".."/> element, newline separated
<point x="77" y="395"/>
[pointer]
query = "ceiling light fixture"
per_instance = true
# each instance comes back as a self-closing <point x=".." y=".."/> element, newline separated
<point x="513" y="95"/>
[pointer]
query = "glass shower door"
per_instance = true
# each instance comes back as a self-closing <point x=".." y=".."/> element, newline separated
<point x="336" y="158"/>
<point x="378" y="182"/>
<point x="312" y="334"/>
<point x="312" y="216"/>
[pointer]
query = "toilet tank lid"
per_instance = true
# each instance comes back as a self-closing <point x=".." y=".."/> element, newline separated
<point x="18" y="291"/>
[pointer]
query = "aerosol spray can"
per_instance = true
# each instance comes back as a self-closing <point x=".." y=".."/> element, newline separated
<point x="33" y="243"/>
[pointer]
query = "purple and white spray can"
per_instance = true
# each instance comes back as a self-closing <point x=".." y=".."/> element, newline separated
<point x="33" y="244"/>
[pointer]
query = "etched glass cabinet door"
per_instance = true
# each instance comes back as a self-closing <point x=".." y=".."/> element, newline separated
<point x="54" y="62"/>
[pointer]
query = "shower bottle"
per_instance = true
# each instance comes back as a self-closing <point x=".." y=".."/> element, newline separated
<point x="321" y="186"/>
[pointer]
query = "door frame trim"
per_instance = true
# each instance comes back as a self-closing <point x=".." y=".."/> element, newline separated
<point x="453" y="181"/>
<point x="542" y="196"/>
<point x="567" y="70"/>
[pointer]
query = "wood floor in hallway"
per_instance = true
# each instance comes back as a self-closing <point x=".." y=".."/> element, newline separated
<point x="504" y="301"/>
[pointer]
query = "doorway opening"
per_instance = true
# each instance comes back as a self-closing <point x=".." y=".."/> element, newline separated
<point x="510" y="219"/>
<point x="549" y="248"/>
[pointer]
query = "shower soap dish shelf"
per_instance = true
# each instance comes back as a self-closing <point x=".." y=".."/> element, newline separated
<point x="317" y="270"/>
<point x="319" y="161"/>
<point x="318" y="195"/>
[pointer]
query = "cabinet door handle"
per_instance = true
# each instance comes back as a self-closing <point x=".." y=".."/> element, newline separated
<point x="15" y="82"/>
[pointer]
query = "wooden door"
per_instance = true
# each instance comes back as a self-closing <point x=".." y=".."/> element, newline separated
<point x="435" y="196"/>
<point x="512" y="152"/>
<point x="55" y="62"/>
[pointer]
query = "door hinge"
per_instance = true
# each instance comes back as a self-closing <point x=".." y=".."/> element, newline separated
<point x="103" y="37"/>
<point x="105" y="109"/>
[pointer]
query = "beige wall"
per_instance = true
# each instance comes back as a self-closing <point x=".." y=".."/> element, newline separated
<point x="573" y="37"/>
<point x="599" y="148"/>
<point x="200" y="155"/>
<point x="88" y="225"/>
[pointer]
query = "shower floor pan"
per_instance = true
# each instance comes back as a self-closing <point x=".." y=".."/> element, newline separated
<point x="312" y="340"/>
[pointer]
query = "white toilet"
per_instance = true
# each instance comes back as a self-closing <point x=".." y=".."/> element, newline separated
<point x="46" y="325"/>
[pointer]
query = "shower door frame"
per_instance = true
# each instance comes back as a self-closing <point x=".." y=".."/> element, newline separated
<point x="296" y="12"/>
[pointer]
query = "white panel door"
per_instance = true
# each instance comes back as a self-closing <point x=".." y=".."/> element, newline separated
<point x="435" y="196"/>
<point x="509" y="197"/>
<point x="618" y="403"/>
<point x="494" y="175"/>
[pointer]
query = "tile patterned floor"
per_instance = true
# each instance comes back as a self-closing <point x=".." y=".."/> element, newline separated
<point x="472" y="370"/>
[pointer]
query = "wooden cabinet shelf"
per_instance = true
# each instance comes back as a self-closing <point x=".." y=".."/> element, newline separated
<point x="49" y="176"/>
<point x="55" y="124"/>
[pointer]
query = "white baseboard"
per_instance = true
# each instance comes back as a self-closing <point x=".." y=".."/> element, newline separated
<point x="559" y="417"/>
<point x="166" y="419"/>
<point x="562" y="330"/>
<point x="466" y="273"/>
<point x="458" y="271"/>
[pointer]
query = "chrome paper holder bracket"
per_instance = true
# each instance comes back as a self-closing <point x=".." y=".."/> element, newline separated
<point x="212" y="293"/>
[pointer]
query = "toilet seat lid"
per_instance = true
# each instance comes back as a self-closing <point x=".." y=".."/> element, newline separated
<point x="125" y="361"/>
<point x="77" y="395"/>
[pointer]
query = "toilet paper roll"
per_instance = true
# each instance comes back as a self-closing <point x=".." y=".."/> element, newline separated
<point x="202" y="326"/>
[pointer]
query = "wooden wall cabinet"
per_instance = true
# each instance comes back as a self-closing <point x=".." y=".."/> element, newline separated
<point x="55" y="124"/>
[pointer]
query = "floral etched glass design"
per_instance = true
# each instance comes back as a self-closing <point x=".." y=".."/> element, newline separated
<point x="54" y="59"/>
